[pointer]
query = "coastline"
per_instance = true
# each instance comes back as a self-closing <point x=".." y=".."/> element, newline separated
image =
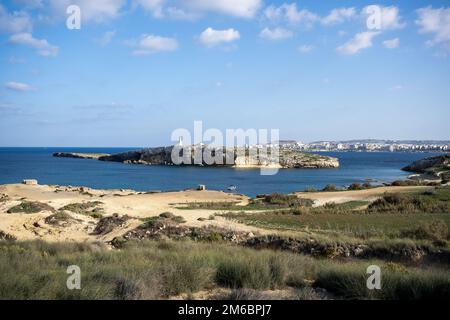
<point x="137" y="206"/>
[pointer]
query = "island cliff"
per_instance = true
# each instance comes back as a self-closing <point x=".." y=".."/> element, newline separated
<point x="438" y="167"/>
<point x="240" y="158"/>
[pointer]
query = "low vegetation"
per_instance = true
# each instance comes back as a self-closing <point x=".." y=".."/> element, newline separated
<point x="59" y="218"/>
<point x="30" y="207"/>
<point x="418" y="215"/>
<point x="261" y="202"/>
<point x="160" y="269"/>
<point x="433" y="201"/>
<point x="86" y="208"/>
<point x="108" y="224"/>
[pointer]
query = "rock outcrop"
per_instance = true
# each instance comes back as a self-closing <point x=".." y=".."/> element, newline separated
<point x="433" y="166"/>
<point x="79" y="155"/>
<point x="233" y="157"/>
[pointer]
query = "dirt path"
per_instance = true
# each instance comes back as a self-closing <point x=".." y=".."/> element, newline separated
<point x="320" y="198"/>
<point x="136" y="205"/>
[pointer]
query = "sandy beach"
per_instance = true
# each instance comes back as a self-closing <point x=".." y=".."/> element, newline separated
<point x="136" y="205"/>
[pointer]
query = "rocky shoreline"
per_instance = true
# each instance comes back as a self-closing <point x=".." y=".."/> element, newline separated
<point x="431" y="168"/>
<point x="240" y="158"/>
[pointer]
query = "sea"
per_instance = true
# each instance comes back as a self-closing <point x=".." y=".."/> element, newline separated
<point x="17" y="164"/>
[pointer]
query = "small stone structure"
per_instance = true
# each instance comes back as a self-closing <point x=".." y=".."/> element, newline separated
<point x="201" y="187"/>
<point x="30" y="182"/>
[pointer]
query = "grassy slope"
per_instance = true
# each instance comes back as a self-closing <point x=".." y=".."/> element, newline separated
<point x="153" y="270"/>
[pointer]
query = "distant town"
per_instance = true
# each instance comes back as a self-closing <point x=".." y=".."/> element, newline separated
<point x="370" y="145"/>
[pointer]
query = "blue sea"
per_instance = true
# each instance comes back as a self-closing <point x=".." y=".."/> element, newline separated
<point x="17" y="164"/>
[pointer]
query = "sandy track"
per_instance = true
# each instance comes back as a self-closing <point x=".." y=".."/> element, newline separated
<point x="124" y="202"/>
<point x="136" y="205"/>
<point x="320" y="198"/>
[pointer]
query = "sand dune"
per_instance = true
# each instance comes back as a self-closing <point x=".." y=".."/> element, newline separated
<point x="136" y="205"/>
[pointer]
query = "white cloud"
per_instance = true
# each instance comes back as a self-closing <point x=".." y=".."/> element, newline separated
<point x="275" y="34"/>
<point x="360" y="41"/>
<point x="290" y="13"/>
<point x="180" y="14"/>
<point x="338" y="16"/>
<point x="14" y="22"/>
<point x="390" y="18"/>
<point x="18" y="86"/>
<point x="154" y="6"/>
<point x="236" y="8"/>
<point x="91" y="10"/>
<point x="391" y="44"/>
<point x="211" y="37"/>
<point x="437" y="23"/>
<point x="149" y="44"/>
<point x="305" y="48"/>
<point x="41" y="46"/>
<point x="106" y="38"/>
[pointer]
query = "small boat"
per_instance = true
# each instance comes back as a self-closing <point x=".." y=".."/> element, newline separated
<point x="232" y="188"/>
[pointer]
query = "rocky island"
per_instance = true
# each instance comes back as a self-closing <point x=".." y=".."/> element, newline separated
<point x="434" y="167"/>
<point x="240" y="157"/>
<point x="78" y="155"/>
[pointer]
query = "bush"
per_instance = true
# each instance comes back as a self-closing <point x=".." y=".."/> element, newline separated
<point x="289" y="200"/>
<point x="108" y="224"/>
<point x="436" y="231"/>
<point x="82" y="208"/>
<point x="30" y="207"/>
<point x="330" y="187"/>
<point x="355" y="186"/>
<point x="349" y="281"/>
<point x="60" y="219"/>
<point x="257" y="272"/>
<point x="167" y="215"/>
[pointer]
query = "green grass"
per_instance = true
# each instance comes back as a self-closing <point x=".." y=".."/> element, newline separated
<point x="397" y="282"/>
<point x="265" y="202"/>
<point x="86" y="208"/>
<point x="393" y="215"/>
<point x="352" y="224"/>
<point x="154" y="270"/>
<point x="433" y="201"/>
<point x="145" y="270"/>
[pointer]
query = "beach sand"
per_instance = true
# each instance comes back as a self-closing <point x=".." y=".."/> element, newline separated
<point x="136" y="205"/>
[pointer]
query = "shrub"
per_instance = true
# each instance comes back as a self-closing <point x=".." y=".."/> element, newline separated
<point x="81" y="208"/>
<point x="355" y="186"/>
<point x="330" y="187"/>
<point x="167" y="215"/>
<point x="261" y="271"/>
<point x="435" y="230"/>
<point x="30" y="207"/>
<point x="289" y="200"/>
<point x="178" y="219"/>
<point x="60" y="218"/>
<point x="108" y="224"/>
<point x="349" y="281"/>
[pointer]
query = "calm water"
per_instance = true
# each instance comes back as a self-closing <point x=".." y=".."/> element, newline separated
<point x="17" y="164"/>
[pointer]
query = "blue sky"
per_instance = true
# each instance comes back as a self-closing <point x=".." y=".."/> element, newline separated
<point x="138" y="69"/>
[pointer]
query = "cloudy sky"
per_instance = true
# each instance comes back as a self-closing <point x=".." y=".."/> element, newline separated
<point x="138" y="69"/>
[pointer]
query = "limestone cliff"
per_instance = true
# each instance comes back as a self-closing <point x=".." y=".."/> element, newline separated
<point x="233" y="157"/>
<point x="435" y="166"/>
